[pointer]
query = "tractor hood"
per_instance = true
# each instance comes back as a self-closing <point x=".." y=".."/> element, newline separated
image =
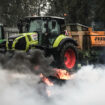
<point x="34" y="35"/>
<point x="26" y="39"/>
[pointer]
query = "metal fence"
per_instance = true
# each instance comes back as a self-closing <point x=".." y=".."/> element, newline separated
<point x="10" y="31"/>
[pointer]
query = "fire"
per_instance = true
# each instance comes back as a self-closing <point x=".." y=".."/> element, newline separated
<point x="46" y="80"/>
<point x="62" y="74"/>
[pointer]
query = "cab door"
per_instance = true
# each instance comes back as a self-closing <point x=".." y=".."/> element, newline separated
<point x="54" y="30"/>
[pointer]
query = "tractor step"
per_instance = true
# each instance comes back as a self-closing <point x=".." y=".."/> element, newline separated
<point x="44" y="47"/>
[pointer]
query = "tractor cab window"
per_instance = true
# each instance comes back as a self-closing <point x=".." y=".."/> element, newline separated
<point x="54" y="27"/>
<point x="37" y="26"/>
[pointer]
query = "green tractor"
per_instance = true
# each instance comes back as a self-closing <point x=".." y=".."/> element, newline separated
<point x="2" y="39"/>
<point x="1" y="33"/>
<point x="45" y="33"/>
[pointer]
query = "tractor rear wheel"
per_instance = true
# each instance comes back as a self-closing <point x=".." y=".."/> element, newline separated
<point x="68" y="56"/>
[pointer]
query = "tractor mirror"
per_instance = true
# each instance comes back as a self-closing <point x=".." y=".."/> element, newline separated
<point x="53" y="24"/>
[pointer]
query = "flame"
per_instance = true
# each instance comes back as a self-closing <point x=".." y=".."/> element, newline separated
<point x="46" y="80"/>
<point x="62" y="74"/>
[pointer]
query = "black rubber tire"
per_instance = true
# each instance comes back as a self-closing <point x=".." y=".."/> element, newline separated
<point x="61" y="56"/>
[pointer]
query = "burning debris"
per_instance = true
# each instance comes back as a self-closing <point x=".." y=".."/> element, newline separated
<point x="46" y="80"/>
<point x="34" y="63"/>
<point x="62" y="74"/>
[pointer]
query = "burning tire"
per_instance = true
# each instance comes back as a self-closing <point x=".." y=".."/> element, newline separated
<point x="68" y="56"/>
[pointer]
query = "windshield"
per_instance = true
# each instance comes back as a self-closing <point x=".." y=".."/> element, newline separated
<point x="37" y="25"/>
<point x="34" y="26"/>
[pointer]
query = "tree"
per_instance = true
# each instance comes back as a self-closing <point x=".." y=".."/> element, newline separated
<point x="12" y="10"/>
<point x="81" y="11"/>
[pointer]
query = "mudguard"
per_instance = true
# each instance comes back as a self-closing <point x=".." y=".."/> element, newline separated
<point x="62" y="39"/>
<point x="58" y="40"/>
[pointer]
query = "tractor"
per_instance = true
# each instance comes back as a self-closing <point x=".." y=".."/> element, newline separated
<point x="1" y="33"/>
<point x="2" y="39"/>
<point x="47" y="34"/>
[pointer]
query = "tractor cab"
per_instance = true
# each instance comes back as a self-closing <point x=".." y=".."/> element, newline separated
<point x="47" y="28"/>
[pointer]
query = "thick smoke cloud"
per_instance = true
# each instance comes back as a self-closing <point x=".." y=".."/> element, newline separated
<point x="20" y="83"/>
<point x="85" y="87"/>
<point x="34" y="62"/>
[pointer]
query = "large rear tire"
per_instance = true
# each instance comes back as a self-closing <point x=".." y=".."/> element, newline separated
<point x="68" y="57"/>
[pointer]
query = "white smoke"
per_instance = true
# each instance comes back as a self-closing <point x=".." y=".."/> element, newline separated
<point x="86" y="87"/>
<point x="18" y="89"/>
